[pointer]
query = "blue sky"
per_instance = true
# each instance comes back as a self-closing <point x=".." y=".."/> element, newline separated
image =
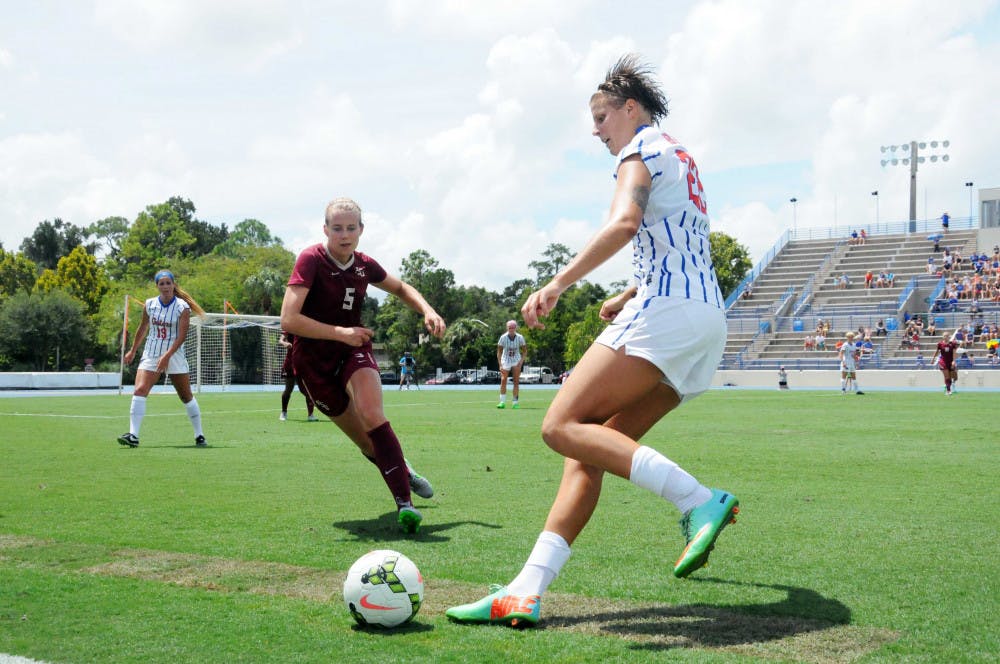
<point x="462" y="128"/>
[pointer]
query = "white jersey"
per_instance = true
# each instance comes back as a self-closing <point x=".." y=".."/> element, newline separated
<point x="848" y="357"/>
<point x="511" y="349"/>
<point x="671" y="252"/>
<point x="163" y="326"/>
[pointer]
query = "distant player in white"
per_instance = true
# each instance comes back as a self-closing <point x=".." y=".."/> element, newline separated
<point x="166" y="318"/>
<point x="664" y="343"/>
<point x="849" y="366"/>
<point x="511" y="352"/>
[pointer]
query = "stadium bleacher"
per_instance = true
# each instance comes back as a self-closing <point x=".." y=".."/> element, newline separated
<point x="802" y="285"/>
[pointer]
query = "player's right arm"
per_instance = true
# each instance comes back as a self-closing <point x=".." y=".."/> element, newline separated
<point x="294" y="321"/>
<point x="140" y="334"/>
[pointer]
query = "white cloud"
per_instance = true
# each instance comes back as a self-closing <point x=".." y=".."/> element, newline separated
<point x="465" y="130"/>
<point x="248" y="32"/>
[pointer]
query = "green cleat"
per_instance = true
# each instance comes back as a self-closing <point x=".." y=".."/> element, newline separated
<point x="409" y="519"/>
<point x="502" y="404"/>
<point x="499" y="607"/>
<point x="515" y="406"/>
<point x="701" y="526"/>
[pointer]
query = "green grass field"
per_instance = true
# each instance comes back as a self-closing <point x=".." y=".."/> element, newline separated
<point x="865" y="534"/>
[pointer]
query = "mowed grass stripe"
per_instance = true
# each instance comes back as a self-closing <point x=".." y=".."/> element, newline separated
<point x="655" y="625"/>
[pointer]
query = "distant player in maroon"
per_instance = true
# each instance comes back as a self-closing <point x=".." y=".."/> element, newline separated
<point x="288" y="373"/>
<point x="944" y="358"/>
<point x="332" y="355"/>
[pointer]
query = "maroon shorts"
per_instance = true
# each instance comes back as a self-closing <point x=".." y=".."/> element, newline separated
<point x="323" y="368"/>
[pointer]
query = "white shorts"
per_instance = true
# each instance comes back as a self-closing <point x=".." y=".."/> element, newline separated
<point x="683" y="338"/>
<point x="178" y="363"/>
<point x="508" y="367"/>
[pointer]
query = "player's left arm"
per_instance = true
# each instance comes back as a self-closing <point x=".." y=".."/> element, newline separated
<point x="412" y="298"/>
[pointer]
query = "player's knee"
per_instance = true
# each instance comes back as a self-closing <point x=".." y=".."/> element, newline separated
<point x="555" y="433"/>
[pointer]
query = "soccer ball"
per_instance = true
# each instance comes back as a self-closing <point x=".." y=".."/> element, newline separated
<point x="383" y="589"/>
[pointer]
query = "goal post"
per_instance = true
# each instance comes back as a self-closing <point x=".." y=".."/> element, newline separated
<point x="225" y="349"/>
<point x="234" y="349"/>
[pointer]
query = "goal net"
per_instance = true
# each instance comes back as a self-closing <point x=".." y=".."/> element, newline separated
<point x="234" y="349"/>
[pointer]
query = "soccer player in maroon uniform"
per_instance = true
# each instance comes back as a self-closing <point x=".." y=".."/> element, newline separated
<point x="288" y="373"/>
<point x="332" y="354"/>
<point x="946" y="350"/>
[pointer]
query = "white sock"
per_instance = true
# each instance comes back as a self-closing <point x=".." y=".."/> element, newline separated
<point x="651" y="470"/>
<point x="857" y="388"/>
<point x="135" y="414"/>
<point x="194" y="414"/>
<point x="542" y="567"/>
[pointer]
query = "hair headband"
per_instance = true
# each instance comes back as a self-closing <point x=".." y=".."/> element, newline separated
<point x="163" y="273"/>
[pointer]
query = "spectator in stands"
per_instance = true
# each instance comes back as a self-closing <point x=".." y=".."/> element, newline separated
<point x="867" y="348"/>
<point x="966" y="361"/>
<point x="809" y="343"/>
<point x="862" y="236"/>
<point x="931" y="269"/>
<point x="819" y="326"/>
<point x="821" y="341"/>
<point x="945" y="220"/>
<point x="867" y="334"/>
<point x="920" y="360"/>
<point x="854" y="238"/>
<point x="974" y="306"/>
<point x="947" y="262"/>
<point x="880" y="330"/>
<point x="890" y="279"/>
<point x="991" y="350"/>
<point x="844" y="281"/>
<point x="882" y="280"/>
<point x="747" y="293"/>
<point x="868" y="279"/>
<point x="931" y="328"/>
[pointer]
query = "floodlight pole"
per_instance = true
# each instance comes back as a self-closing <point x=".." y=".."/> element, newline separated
<point x="912" y="159"/>
<point x="969" y="185"/>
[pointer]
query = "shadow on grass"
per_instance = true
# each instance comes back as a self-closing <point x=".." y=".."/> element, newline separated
<point x="802" y="611"/>
<point x="412" y="627"/>
<point x="385" y="529"/>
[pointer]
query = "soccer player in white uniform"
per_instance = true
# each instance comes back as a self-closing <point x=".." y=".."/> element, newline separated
<point x="166" y="318"/>
<point x="849" y="365"/>
<point x="665" y="341"/>
<point x="510" y="358"/>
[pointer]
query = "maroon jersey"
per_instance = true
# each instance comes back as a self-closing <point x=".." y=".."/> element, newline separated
<point x="335" y="296"/>
<point x="336" y="293"/>
<point x="947" y="352"/>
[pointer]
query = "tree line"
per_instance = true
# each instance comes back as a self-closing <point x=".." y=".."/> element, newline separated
<point x="62" y="294"/>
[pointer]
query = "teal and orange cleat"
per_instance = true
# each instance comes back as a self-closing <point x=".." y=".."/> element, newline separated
<point x="701" y="526"/>
<point x="409" y="519"/>
<point x="499" y="607"/>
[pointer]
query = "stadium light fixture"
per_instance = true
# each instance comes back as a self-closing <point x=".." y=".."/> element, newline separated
<point x="875" y="194"/>
<point x="969" y="185"/>
<point x="912" y="157"/>
<point x="793" y="201"/>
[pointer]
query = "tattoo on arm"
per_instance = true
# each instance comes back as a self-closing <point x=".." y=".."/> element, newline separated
<point x="640" y="196"/>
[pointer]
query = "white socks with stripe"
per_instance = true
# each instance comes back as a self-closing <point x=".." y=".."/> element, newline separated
<point x="651" y="470"/>
<point x="548" y="557"/>
<point x="135" y="415"/>
<point x="194" y="414"/>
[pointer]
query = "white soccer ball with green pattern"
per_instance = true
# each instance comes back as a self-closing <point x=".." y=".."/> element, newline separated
<point x="383" y="589"/>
